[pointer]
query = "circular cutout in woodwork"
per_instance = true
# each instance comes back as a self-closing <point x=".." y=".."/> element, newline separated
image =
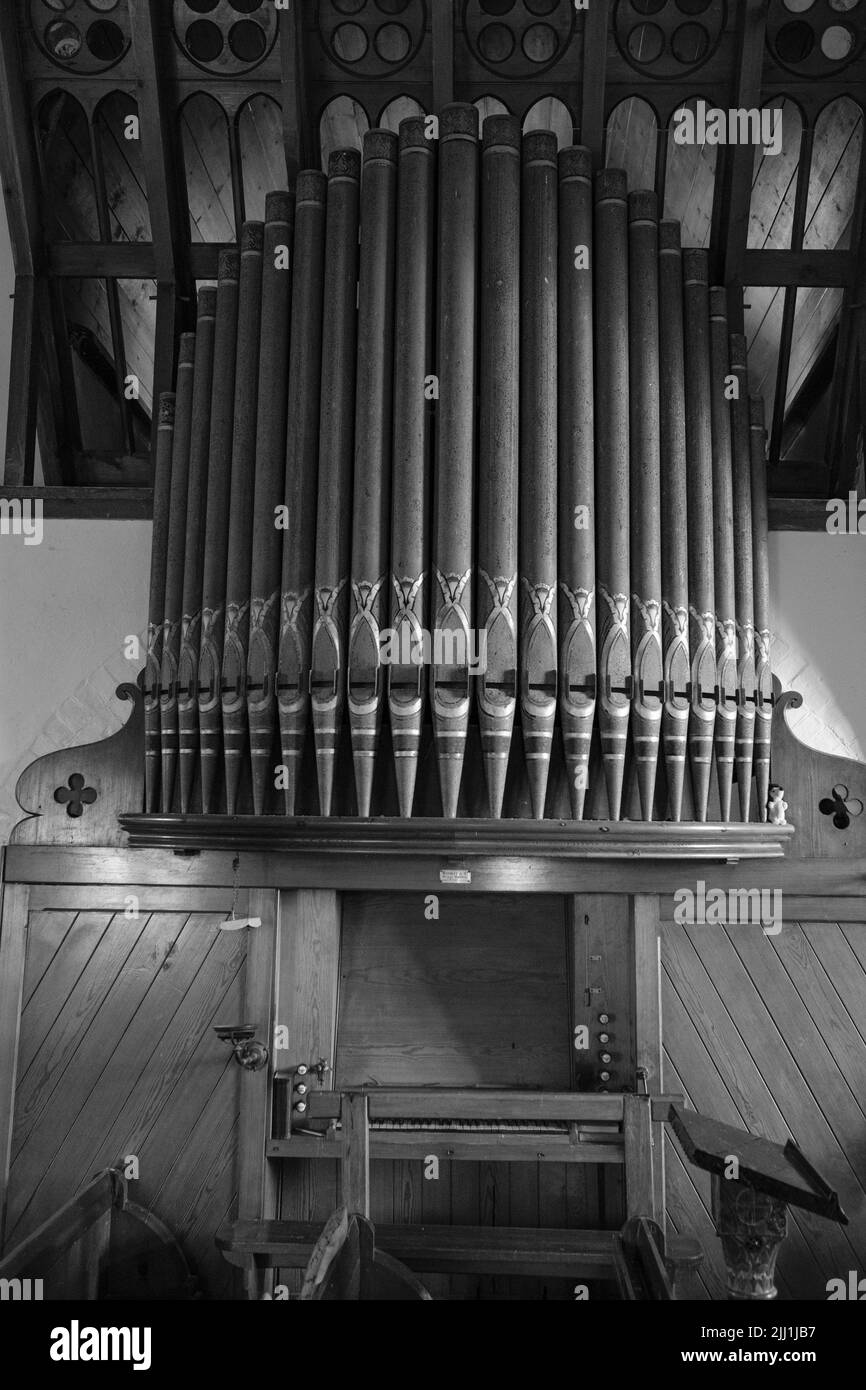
<point x="105" y="40"/>
<point x="689" y="44"/>
<point x="63" y="40"/>
<point x="350" y="43"/>
<point x="540" y="43"/>
<point x="837" y="42"/>
<point x="392" y="6"/>
<point x="843" y="6"/>
<point x="648" y="6"/>
<point x="496" y="42"/>
<point x="63" y="4"/>
<point x="247" y="41"/>
<point x="204" y="41"/>
<point x="103" y="6"/>
<point x="202" y="6"/>
<point x="693" y="7"/>
<point x="245" y="6"/>
<point x="646" y="43"/>
<point x="541" y="7"/>
<point x="392" y="43"/>
<point x="798" y="6"/>
<point x="349" y="6"/>
<point x="794" y="42"/>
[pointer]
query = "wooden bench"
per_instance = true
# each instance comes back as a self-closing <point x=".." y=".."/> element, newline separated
<point x="257" y="1246"/>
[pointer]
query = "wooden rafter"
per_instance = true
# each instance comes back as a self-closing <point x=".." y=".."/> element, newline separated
<point x="168" y="221"/>
<point x="299" y="136"/>
<point x="734" y="187"/>
<point x="847" y="393"/>
<point x="594" y="74"/>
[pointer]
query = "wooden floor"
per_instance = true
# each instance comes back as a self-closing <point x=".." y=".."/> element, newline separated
<point x="117" y="1058"/>
<point x="769" y="1033"/>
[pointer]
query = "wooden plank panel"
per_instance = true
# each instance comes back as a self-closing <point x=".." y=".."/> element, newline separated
<point x="46" y="934"/>
<point x="256" y="1178"/>
<point x="720" y="1078"/>
<point x="842" y="1032"/>
<point x="58" y="982"/>
<point x="308" y="975"/>
<point x="794" y="1108"/>
<point x="810" y="1053"/>
<point x="13" y="931"/>
<point x="131" y="1084"/>
<point x="840" y="962"/>
<point x="41" y="1071"/>
<point x="435" y="1210"/>
<point x="38" y="1132"/>
<point x="463" y="1000"/>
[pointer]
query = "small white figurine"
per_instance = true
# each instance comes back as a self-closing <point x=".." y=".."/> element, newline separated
<point x="776" y="806"/>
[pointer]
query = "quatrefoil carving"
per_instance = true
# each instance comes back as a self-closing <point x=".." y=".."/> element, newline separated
<point x="75" y="795"/>
<point x="840" y="806"/>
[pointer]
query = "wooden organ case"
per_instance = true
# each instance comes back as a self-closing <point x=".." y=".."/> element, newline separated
<point x="458" y="659"/>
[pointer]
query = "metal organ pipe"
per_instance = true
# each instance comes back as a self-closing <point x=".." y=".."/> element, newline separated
<point x="413" y="414"/>
<point x="369" y="604"/>
<point x="269" y="476"/>
<point x="645" y="527"/>
<point x="611" y="551"/>
<point x="216" y="528"/>
<point x="763" y="671"/>
<point x="538" y="464"/>
<point x="336" y="444"/>
<point x="576" y="439"/>
<point x="744" y="575"/>
<point x="301" y="475"/>
<point x="174" y="568"/>
<point x="190" y="631"/>
<point x="240" y="537"/>
<point x="723" y="532"/>
<point x="612" y="475"/>
<point x="699" y="447"/>
<point x="674" y="511"/>
<point x="498" y="478"/>
<point x="453" y="523"/>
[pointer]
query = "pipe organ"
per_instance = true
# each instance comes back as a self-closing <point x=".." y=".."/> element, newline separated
<point x="460" y="504"/>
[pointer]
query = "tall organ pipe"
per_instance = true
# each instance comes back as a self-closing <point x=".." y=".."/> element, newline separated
<point x="174" y="568"/>
<point x="744" y="575"/>
<point x="301" y="473"/>
<point x="764" y="674"/>
<point x="498" y="481"/>
<point x="216" y="526"/>
<point x="674" y="505"/>
<point x="452" y="561"/>
<point x="270" y="472"/>
<point x="576" y="560"/>
<point x="646" y="595"/>
<point x="190" y="629"/>
<point x="538" y="440"/>
<point x="336" y="442"/>
<point x="612" y="475"/>
<point x="237" y="614"/>
<point x="156" y="605"/>
<point x="369" y="604"/>
<point x="410" y="520"/>
<point x="699" y="449"/>
<point x="723" y="531"/>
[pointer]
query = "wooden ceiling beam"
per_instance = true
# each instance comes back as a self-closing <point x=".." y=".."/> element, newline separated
<point x="733" y="195"/>
<point x="443" y="53"/>
<point x="31" y="412"/>
<point x="168" y="215"/>
<point x="595" y="22"/>
<point x="808" y="269"/>
<point x="299" y="134"/>
<point x="848" y="399"/>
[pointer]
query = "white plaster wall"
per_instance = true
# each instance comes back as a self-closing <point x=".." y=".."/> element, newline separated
<point x="66" y="607"/>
